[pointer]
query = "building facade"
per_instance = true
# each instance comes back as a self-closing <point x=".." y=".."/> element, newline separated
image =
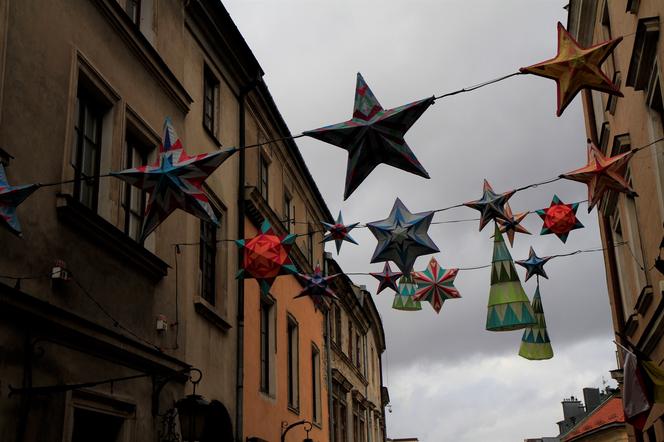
<point x="630" y="227"/>
<point x="357" y="344"/>
<point x="85" y="87"/>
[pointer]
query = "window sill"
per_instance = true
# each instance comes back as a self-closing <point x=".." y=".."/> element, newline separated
<point x="211" y="134"/>
<point x="109" y="237"/>
<point x="208" y="311"/>
<point x="295" y="411"/>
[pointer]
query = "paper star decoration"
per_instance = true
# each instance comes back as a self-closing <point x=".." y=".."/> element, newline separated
<point x="265" y="256"/>
<point x="534" y="265"/>
<point x="402" y="237"/>
<point x="559" y="218"/>
<point x="436" y="285"/>
<point x="602" y="174"/>
<point x="512" y="223"/>
<point x="575" y="68"/>
<point x="316" y="285"/>
<point x="374" y="136"/>
<point x="10" y="198"/>
<point x="175" y="181"/>
<point x="491" y="205"/>
<point x="339" y="232"/>
<point x="387" y="278"/>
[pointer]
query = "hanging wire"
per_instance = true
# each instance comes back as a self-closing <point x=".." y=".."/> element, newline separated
<point x="477" y="86"/>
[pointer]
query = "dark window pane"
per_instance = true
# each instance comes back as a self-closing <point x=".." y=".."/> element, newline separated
<point x="207" y="260"/>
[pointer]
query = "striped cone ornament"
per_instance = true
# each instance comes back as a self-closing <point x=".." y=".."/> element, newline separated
<point x="535" y="343"/>
<point x="509" y="307"/>
<point x="404" y="299"/>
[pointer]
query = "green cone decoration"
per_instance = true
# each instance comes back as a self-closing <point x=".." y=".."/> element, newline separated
<point x="404" y="299"/>
<point x="509" y="306"/>
<point x="535" y="343"/>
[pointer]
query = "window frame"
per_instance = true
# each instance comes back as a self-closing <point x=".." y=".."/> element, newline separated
<point x="126" y="203"/>
<point x="137" y="19"/>
<point x="288" y="211"/>
<point x="211" y="86"/>
<point x="292" y="363"/>
<point x="264" y="175"/>
<point x="316" y="407"/>
<point x="266" y="350"/>
<point x="207" y="250"/>
<point x="85" y="102"/>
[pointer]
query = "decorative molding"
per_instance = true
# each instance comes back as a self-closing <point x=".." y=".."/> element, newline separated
<point x="208" y="311"/>
<point x="146" y="54"/>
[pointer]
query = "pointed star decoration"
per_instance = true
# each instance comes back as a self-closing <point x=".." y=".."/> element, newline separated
<point x="374" y="136"/>
<point x="339" y="232"/>
<point x="316" y="286"/>
<point x="436" y="285"/>
<point x="602" y="174"/>
<point x="387" y="279"/>
<point x="175" y="181"/>
<point x="402" y="237"/>
<point x="10" y="198"/>
<point x="559" y="218"/>
<point x="534" y="265"/>
<point x="266" y="256"/>
<point x="491" y="205"/>
<point x="575" y="68"/>
<point x="512" y="223"/>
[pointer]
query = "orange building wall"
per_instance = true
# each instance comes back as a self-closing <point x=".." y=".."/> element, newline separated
<point x="263" y="415"/>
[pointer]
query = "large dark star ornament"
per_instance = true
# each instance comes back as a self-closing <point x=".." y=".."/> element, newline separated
<point x="374" y="136"/>
<point x="339" y="232"/>
<point x="316" y="286"/>
<point x="387" y="279"/>
<point x="575" y="68"/>
<point x="10" y="198"/>
<point x="402" y="237"/>
<point x="175" y="181"/>
<point x="534" y="265"/>
<point x="602" y="174"/>
<point x="491" y="206"/>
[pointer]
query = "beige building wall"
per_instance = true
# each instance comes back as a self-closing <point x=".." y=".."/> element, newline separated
<point x="617" y="124"/>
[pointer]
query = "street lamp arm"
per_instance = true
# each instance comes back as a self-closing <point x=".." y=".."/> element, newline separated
<point x="287" y="428"/>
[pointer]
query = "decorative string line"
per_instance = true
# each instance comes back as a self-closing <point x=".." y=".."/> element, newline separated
<point x="478" y="86"/>
<point x="576" y="252"/>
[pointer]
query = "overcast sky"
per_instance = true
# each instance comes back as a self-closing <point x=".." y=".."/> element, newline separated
<point x="449" y="379"/>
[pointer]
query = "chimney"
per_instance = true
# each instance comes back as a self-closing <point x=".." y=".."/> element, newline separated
<point x="591" y="398"/>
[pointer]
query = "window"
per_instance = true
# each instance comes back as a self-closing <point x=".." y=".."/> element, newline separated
<point x="263" y="177"/>
<point x="358" y="350"/>
<point x="359" y="422"/>
<point x="337" y="322"/>
<point x="293" y="369"/>
<point x="288" y="211"/>
<point x="266" y="349"/>
<point x="612" y="100"/>
<point x="133" y="202"/>
<point x="207" y="260"/>
<point x="91" y="425"/>
<point x="310" y="244"/>
<point x="350" y="340"/>
<point x="210" y="101"/>
<point x="315" y="384"/>
<point x="339" y="413"/>
<point x="133" y="9"/>
<point x="87" y="148"/>
<point x="605" y="132"/>
<point x="643" y="53"/>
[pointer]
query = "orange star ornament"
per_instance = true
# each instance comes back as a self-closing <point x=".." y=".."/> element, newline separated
<point x="575" y="68"/>
<point x="512" y="223"/>
<point x="602" y="174"/>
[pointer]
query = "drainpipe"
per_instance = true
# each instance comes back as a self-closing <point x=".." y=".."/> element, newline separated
<point x="239" y="351"/>
<point x="328" y="349"/>
<point x="367" y="374"/>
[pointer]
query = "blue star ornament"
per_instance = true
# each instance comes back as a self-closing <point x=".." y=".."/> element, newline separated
<point x="402" y="237"/>
<point x="374" y="136"/>
<point x="317" y="286"/>
<point x="339" y="232"/>
<point x="491" y="206"/>
<point x="10" y="198"/>
<point x="534" y="265"/>
<point x="175" y="181"/>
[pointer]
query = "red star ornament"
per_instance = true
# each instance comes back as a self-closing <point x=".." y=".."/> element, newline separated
<point x="575" y="68"/>
<point x="602" y="174"/>
<point x="266" y="256"/>
<point x="559" y="218"/>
